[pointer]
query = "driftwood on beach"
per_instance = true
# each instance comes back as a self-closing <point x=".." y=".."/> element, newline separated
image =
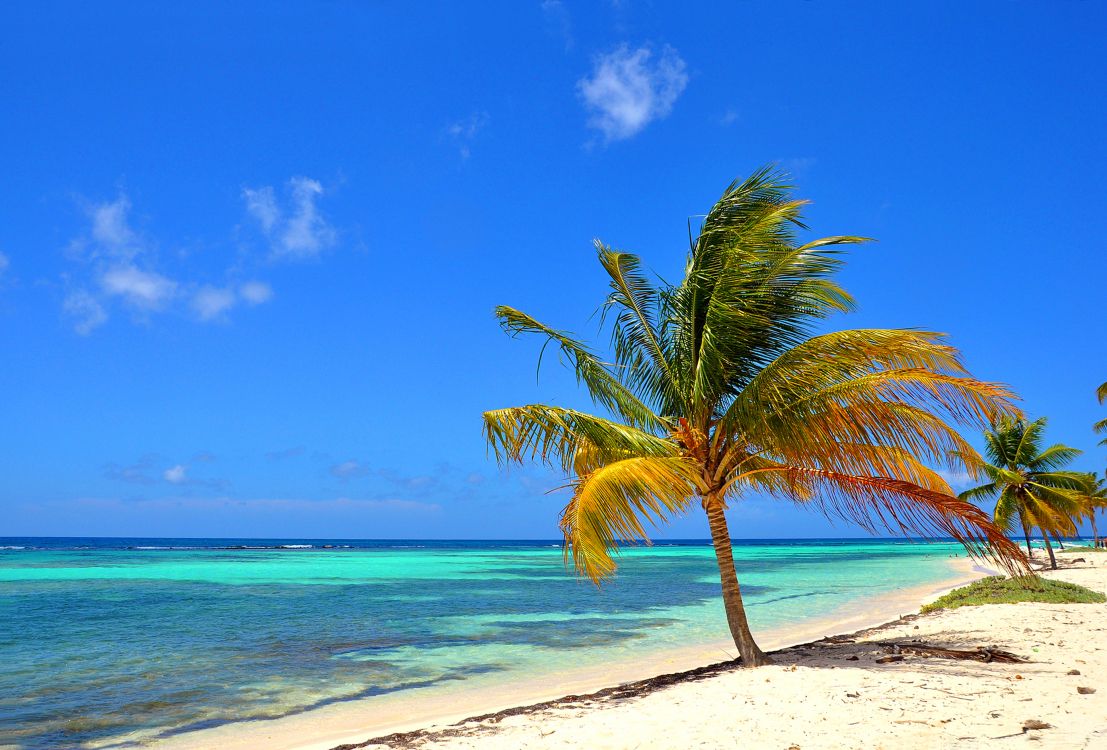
<point x="980" y="653"/>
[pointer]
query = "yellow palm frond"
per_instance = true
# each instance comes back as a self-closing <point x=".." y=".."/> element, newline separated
<point x="613" y="504"/>
<point x="875" y="502"/>
<point x="561" y="437"/>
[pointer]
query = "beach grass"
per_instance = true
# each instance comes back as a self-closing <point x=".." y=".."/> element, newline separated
<point x="1003" y="590"/>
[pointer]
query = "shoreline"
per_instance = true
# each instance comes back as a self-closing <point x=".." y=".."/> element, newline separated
<point x="355" y="723"/>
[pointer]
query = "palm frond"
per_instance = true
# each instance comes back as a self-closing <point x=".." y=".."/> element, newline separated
<point x="638" y="347"/>
<point x="613" y="505"/>
<point x="1053" y="457"/>
<point x="565" y="437"/>
<point x="603" y="387"/>
<point x="876" y="503"/>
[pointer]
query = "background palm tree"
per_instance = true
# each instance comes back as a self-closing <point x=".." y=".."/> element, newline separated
<point x="1101" y="425"/>
<point x="1032" y="488"/>
<point x="718" y="390"/>
<point x="1094" y="495"/>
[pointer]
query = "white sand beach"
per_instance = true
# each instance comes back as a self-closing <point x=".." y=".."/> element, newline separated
<point x="819" y="694"/>
<point x="836" y="695"/>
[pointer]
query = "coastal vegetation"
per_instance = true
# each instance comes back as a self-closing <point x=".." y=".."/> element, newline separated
<point x="1029" y="483"/>
<point x="1003" y="590"/>
<point x="717" y="388"/>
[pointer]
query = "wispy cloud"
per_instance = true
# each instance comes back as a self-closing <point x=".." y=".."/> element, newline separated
<point x="558" y="22"/>
<point x="958" y="480"/>
<point x="176" y="474"/>
<point x="628" y="89"/>
<point x="152" y="469"/>
<point x="350" y="469"/>
<point x="798" y="166"/>
<point x="142" y="290"/>
<point x="256" y="292"/>
<point x="285" y="453"/>
<point x="463" y="131"/>
<point x="211" y="303"/>
<point x="214" y="303"/>
<point x="297" y="230"/>
<point x="142" y="471"/>
<point x="85" y="310"/>
<point x="4" y="263"/>
<point x="117" y="265"/>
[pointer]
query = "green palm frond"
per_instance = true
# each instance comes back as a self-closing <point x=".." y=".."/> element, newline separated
<point x="1054" y="457"/>
<point x="1101" y="393"/>
<point x="603" y="386"/>
<point x="1030" y="482"/>
<point x="635" y="332"/>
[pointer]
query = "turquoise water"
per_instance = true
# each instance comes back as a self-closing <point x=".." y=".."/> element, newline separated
<point x="110" y="641"/>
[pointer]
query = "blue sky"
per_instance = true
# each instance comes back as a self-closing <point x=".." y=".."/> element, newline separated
<point x="249" y="252"/>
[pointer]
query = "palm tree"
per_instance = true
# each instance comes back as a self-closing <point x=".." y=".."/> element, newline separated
<point x="717" y="390"/>
<point x="1101" y="425"/>
<point x="1028" y="482"/>
<point x="1093" y="492"/>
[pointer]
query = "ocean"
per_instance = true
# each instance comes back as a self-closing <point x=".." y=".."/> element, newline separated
<point x="111" y="642"/>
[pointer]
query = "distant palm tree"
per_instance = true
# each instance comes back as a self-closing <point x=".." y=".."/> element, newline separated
<point x="1032" y="488"/>
<point x="1101" y="425"/>
<point x="1094" y="495"/>
<point x="716" y="391"/>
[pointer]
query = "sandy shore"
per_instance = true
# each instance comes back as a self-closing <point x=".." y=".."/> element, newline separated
<point x="834" y="694"/>
<point x="354" y="722"/>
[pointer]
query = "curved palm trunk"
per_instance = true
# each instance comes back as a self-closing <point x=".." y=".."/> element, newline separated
<point x="1049" y="549"/>
<point x="1026" y="533"/>
<point x="1095" y="534"/>
<point x="752" y="655"/>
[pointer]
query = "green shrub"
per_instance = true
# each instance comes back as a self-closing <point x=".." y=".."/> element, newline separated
<point x="1002" y="590"/>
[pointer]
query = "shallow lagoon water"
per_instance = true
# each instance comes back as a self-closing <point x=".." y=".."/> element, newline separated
<point x="111" y="641"/>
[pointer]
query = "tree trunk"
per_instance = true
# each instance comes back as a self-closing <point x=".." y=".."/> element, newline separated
<point x="752" y="655"/>
<point x="1026" y="533"/>
<point x="1049" y="549"/>
<point x="1095" y="534"/>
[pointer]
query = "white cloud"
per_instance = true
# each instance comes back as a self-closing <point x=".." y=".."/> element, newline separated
<point x="111" y="230"/>
<point x="958" y="480"/>
<point x="119" y="265"/>
<point x="262" y="205"/>
<point x="558" y="21"/>
<point x="298" y="231"/>
<point x="86" y="310"/>
<point x="176" y="474"/>
<point x="211" y="302"/>
<point x="144" y="290"/>
<point x="464" y="131"/>
<point x="4" y="263"/>
<point x="256" y="292"/>
<point x="628" y="89"/>
<point x="349" y="469"/>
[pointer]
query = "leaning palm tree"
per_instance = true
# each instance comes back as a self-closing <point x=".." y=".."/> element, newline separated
<point x="1029" y="484"/>
<point x="717" y="391"/>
